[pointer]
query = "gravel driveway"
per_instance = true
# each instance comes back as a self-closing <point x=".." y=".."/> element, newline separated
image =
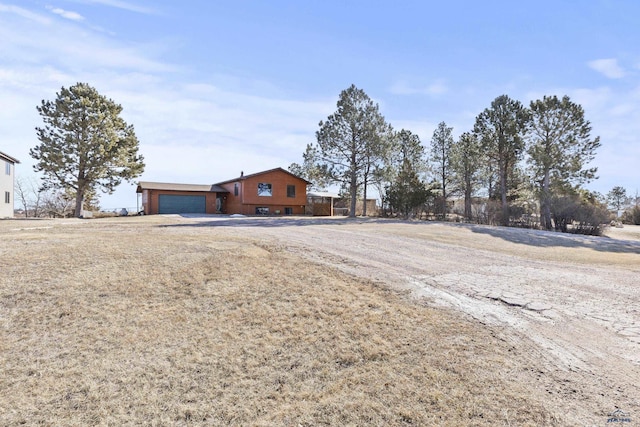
<point x="571" y="302"/>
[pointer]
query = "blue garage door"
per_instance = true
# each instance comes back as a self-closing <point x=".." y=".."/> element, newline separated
<point x="168" y="204"/>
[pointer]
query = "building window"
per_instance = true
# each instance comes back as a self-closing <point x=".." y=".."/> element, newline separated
<point x="7" y="168"/>
<point x="291" y="191"/>
<point x="288" y="211"/>
<point x="261" y="210"/>
<point x="236" y="190"/>
<point x="7" y="197"/>
<point x="264" y="189"/>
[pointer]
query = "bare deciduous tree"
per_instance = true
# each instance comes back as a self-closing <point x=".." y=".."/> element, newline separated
<point x="30" y="196"/>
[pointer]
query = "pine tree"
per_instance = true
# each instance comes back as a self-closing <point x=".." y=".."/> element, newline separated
<point x="559" y="147"/>
<point x="500" y="129"/>
<point x="441" y="145"/>
<point x="467" y="168"/>
<point x="353" y="143"/>
<point x="85" y="145"/>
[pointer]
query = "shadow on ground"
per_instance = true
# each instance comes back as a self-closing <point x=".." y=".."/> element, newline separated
<point x="543" y="239"/>
<point x="227" y="221"/>
<point x="538" y="238"/>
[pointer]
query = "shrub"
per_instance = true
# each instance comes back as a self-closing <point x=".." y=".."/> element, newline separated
<point x="573" y="214"/>
<point x="632" y="216"/>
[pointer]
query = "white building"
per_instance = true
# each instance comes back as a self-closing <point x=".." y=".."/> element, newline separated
<point x="7" y="181"/>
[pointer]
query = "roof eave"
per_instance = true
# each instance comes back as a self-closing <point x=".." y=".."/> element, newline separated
<point x="9" y="158"/>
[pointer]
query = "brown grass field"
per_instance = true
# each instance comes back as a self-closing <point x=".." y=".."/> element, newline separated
<point x="164" y="321"/>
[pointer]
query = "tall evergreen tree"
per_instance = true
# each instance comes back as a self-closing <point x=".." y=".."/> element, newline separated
<point x="441" y="145"/>
<point x="353" y="142"/>
<point x="617" y="199"/>
<point x="559" y="147"/>
<point x="501" y="129"/>
<point x="406" y="146"/>
<point x="466" y="167"/>
<point x="85" y="145"/>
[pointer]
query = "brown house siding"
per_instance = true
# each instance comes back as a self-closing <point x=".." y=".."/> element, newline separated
<point x="248" y="199"/>
<point x="233" y="204"/>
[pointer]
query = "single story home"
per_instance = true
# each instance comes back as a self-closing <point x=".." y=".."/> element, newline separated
<point x="7" y="182"/>
<point x="272" y="192"/>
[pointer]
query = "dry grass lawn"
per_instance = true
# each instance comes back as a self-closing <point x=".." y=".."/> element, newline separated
<point x="125" y="322"/>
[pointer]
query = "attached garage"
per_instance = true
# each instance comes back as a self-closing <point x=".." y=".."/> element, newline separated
<point x="170" y="198"/>
<point x="171" y="204"/>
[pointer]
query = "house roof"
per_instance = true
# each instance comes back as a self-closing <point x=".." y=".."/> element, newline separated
<point x="242" y="176"/>
<point x="215" y="188"/>
<point x="147" y="185"/>
<point x="8" y="158"/>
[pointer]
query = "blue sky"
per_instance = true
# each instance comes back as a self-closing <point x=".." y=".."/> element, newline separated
<point x="214" y="88"/>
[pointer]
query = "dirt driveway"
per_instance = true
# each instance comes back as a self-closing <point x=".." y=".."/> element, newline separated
<point x="571" y="302"/>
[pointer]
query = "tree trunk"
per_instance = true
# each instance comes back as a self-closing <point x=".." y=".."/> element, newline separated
<point x="444" y="188"/>
<point x="81" y="187"/>
<point x="79" y="202"/>
<point x="545" y="203"/>
<point x="503" y="194"/>
<point x="36" y="204"/>
<point x="364" y="206"/>
<point x="467" y="200"/>
<point x="353" y="191"/>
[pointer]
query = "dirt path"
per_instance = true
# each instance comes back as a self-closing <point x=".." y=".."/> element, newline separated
<point x="571" y="303"/>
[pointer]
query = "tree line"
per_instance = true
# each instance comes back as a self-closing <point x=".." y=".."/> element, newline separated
<point x="515" y="164"/>
<point x="518" y="165"/>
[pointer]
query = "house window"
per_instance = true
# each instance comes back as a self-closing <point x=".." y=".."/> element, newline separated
<point x="235" y="189"/>
<point x="291" y="191"/>
<point x="264" y="189"/>
<point x="7" y="168"/>
<point x="7" y="197"/>
<point x="261" y="210"/>
<point x="288" y="211"/>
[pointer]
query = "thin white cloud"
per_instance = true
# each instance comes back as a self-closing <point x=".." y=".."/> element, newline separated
<point x="73" y="16"/>
<point x="402" y="87"/>
<point x="437" y="88"/>
<point x="592" y="99"/>
<point x="68" y="48"/>
<point x="24" y="13"/>
<point x="608" y="67"/>
<point x="119" y="4"/>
